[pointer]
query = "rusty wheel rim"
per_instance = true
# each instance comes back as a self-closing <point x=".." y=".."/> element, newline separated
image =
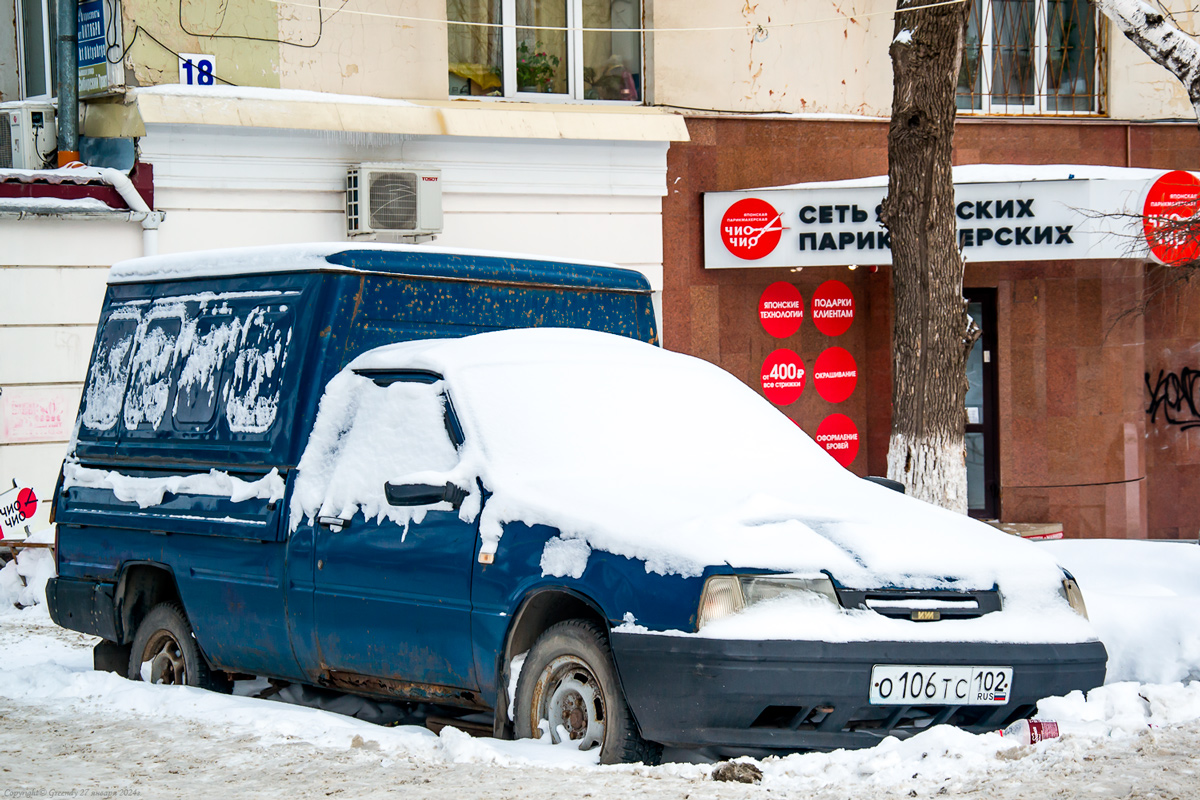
<point x="569" y="698"/>
<point x="162" y="660"/>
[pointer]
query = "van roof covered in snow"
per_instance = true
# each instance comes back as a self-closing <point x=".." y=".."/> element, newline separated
<point x="391" y="259"/>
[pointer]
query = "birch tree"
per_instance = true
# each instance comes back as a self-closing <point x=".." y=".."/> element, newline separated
<point x="1156" y="34"/>
<point x="932" y="333"/>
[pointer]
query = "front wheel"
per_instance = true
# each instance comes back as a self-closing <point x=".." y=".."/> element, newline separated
<point x="165" y="651"/>
<point x="569" y="682"/>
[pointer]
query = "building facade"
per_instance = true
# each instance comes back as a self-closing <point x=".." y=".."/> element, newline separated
<point x="594" y="129"/>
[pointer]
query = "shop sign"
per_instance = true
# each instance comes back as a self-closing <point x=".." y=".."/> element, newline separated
<point x="833" y="308"/>
<point x="750" y="228"/>
<point x="833" y="224"/>
<point x="835" y="374"/>
<point x="1171" y="201"/>
<point x="838" y="434"/>
<point x="97" y="35"/>
<point x="781" y="309"/>
<point x="783" y="377"/>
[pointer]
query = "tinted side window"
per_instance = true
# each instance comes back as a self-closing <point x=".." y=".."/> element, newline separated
<point x="105" y="390"/>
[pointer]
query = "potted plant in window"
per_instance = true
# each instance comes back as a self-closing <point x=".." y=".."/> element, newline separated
<point x="535" y="68"/>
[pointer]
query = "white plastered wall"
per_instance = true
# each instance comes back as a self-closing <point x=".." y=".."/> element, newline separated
<point x="227" y="187"/>
<point x="52" y="278"/>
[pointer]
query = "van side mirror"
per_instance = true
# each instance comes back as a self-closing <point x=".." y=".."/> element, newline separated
<point x="423" y="494"/>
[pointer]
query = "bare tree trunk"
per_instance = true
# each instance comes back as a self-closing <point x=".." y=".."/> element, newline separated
<point x="931" y="332"/>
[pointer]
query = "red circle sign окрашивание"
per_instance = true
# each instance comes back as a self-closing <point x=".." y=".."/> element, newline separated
<point x="1171" y="201"/>
<point x="783" y="377"/>
<point x="833" y="308"/>
<point x="838" y="434"/>
<point x="781" y="309"/>
<point x="751" y="228"/>
<point x="835" y="374"/>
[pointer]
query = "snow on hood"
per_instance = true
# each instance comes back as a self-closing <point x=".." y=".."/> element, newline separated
<point x="660" y="457"/>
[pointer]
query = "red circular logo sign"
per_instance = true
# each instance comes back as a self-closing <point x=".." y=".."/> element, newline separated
<point x="751" y="228"/>
<point x="1173" y="198"/>
<point x="27" y="503"/>
<point x="835" y="374"/>
<point x="839" y="436"/>
<point x="783" y="377"/>
<point x="780" y="309"/>
<point x="833" y="308"/>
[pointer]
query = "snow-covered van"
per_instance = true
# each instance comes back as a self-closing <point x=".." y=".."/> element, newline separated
<point x="571" y="533"/>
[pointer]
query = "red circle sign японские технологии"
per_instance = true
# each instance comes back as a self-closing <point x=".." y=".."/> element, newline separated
<point x="835" y="374"/>
<point x="1172" y="200"/>
<point x="783" y="377"/>
<point x="781" y="309"/>
<point x="833" y="308"/>
<point x="751" y="228"/>
<point x="838" y="434"/>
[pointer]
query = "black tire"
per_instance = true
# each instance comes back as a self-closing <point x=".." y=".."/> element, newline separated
<point x="569" y="680"/>
<point x="165" y="651"/>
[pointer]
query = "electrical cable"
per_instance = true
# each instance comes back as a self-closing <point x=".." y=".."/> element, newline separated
<point x="568" y="29"/>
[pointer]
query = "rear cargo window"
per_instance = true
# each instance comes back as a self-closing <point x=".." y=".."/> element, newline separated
<point x="105" y="390"/>
<point x="257" y="380"/>
<point x="202" y="374"/>
<point x="150" y="382"/>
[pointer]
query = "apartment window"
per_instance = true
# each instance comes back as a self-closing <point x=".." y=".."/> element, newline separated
<point x="36" y="23"/>
<point x="1031" y="57"/>
<point x="545" y="49"/>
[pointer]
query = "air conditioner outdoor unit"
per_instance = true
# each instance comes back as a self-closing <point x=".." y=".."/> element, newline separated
<point x="28" y="134"/>
<point x="393" y="201"/>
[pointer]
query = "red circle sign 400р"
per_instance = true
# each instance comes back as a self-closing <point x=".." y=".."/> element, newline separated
<point x="783" y="377"/>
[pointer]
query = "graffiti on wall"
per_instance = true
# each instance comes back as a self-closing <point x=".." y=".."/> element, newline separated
<point x="1174" y="394"/>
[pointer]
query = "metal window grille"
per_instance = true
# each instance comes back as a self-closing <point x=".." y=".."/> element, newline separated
<point x="1033" y="57"/>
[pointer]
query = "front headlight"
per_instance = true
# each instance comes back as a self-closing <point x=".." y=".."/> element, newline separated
<point x="1070" y="592"/>
<point x="726" y="595"/>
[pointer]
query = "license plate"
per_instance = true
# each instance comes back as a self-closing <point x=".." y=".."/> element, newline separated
<point x="893" y="685"/>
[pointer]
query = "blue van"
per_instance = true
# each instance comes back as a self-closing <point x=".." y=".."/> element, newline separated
<point x="473" y="481"/>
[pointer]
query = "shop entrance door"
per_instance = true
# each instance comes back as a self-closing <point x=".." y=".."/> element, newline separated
<point x="982" y="431"/>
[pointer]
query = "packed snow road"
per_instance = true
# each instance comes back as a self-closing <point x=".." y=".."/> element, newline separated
<point x="66" y="731"/>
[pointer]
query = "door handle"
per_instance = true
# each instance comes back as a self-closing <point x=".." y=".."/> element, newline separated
<point x="335" y="524"/>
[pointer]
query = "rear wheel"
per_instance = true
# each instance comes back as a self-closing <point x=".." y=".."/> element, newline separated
<point x="165" y="651"/>
<point x="569" y="682"/>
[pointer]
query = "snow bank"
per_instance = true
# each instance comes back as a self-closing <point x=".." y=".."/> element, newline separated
<point x="42" y="667"/>
<point x="23" y="580"/>
<point x="669" y="460"/>
<point x="1144" y="601"/>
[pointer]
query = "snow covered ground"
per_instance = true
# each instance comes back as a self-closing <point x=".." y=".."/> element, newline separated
<point x="64" y="727"/>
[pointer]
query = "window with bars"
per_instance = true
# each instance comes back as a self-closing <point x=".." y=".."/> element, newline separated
<point x="1032" y="57"/>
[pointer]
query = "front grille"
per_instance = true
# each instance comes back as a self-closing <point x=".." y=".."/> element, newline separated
<point x="917" y="603"/>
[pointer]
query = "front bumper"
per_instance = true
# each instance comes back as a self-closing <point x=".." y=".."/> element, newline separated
<point x="790" y="695"/>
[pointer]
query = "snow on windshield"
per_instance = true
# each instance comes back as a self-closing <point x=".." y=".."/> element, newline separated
<point x="667" y="459"/>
